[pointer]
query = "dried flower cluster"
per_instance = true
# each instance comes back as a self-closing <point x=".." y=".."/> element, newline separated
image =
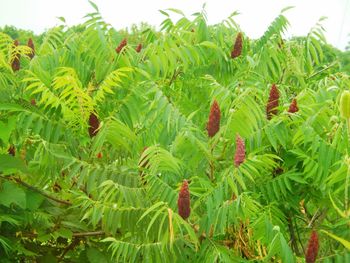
<point x="293" y="107"/>
<point x="93" y="125"/>
<point x="16" y="63"/>
<point x="240" y="151"/>
<point x="312" y="248"/>
<point x="122" y="44"/>
<point x="237" y="48"/>
<point x="213" y="124"/>
<point x="272" y="104"/>
<point x="138" y="48"/>
<point x="183" y="202"/>
<point x="31" y="45"/>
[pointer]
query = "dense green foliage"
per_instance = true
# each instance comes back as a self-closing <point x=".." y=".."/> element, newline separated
<point x="69" y="197"/>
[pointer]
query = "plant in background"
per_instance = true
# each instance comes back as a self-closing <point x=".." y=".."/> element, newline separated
<point x="63" y="199"/>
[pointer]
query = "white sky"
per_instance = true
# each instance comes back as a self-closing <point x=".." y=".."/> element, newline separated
<point x="254" y="18"/>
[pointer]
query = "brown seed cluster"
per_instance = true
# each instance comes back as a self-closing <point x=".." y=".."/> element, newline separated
<point x="240" y="151"/>
<point x="183" y="202"/>
<point x="237" y="48"/>
<point x="213" y="124"/>
<point x="293" y="107"/>
<point x="122" y="44"/>
<point x="272" y="104"/>
<point x="312" y="248"/>
<point x="138" y="48"/>
<point x="31" y="45"/>
<point x="93" y="125"/>
<point x="15" y="62"/>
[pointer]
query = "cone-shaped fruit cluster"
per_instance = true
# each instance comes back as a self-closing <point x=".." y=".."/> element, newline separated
<point x="237" y="48"/>
<point x="345" y="104"/>
<point x="99" y="155"/>
<point x="31" y="45"/>
<point x="121" y="45"/>
<point x="16" y="63"/>
<point x="272" y="104"/>
<point x="138" y="48"/>
<point x="183" y="202"/>
<point x="293" y="107"/>
<point x="93" y="125"/>
<point x="240" y="151"/>
<point x="312" y="248"/>
<point x="213" y="124"/>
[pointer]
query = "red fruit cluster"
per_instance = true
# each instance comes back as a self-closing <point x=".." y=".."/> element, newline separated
<point x="99" y="155"/>
<point x="94" y="124"/>
<point x="272" y="104"/>
<point x="183" y="202"/>
<point x="33" y="102"/>
<point x="15" y="63"/>
<point x="312" y="248"/>
<point x="121" y="45"/>
<point x="138" y="48"/>
<point x="213" y="124"/>
<point x="237" y="49"/>
<point x="12" y="150"/>
<point x="293" y="107"/>
<point x="240" y="151"/>
<point x="31" y="45"/>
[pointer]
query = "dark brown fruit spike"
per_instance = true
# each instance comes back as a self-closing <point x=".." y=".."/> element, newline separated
<point x="183" y="202"/>
<point x="138" y="48"/>
<point x="12" y="150"/>
<point x="272" y="104"/>
<point x="213" y="124"/>
<point x="16" y="60"/>
<point x="122" y="44"/>
<point x="93" y="125"/>
<point x="293" y="108"/>
<point x="240" y="151"/>
<point x="312" y="248"/>
<point x="237" y="49"/>
<point x="31" y="45"/>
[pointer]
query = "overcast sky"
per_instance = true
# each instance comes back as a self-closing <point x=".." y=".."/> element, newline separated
<point x="254" y="18"/>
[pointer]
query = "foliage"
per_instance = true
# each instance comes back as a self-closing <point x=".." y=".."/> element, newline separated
<point x="69" y="197"/>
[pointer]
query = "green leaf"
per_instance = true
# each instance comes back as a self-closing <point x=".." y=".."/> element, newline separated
<point x="10" y="193"/>
<point x="344" y="242"/>
<point x="10" y="164"/>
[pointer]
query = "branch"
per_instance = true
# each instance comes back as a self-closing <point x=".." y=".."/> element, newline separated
<point x="19" y="181"/>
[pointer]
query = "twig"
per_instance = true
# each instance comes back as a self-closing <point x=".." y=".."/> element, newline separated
<point x="89" y="234"/>
<point x="19" y="181"/>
